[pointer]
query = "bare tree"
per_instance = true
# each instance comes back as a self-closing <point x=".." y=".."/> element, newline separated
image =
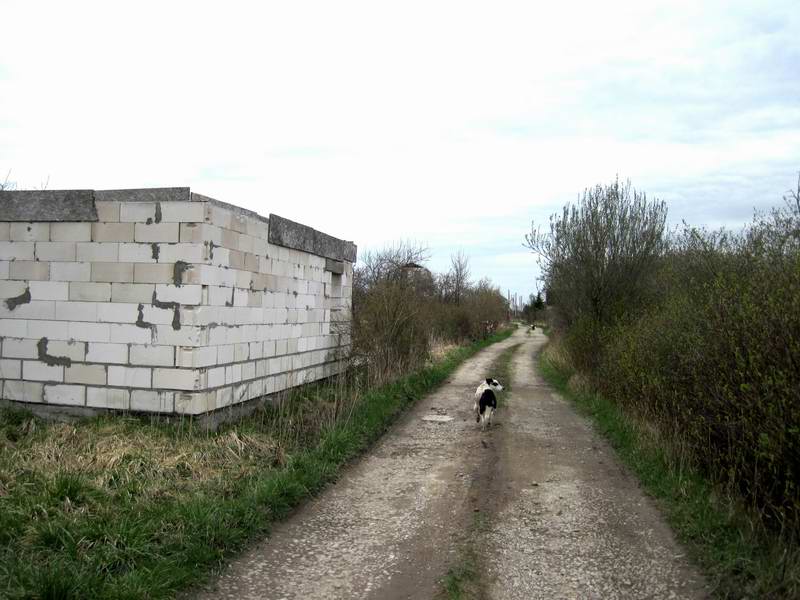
<point x="459" y="272"/>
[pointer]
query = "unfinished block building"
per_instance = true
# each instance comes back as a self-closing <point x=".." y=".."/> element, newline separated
<point x="163" y="301"/>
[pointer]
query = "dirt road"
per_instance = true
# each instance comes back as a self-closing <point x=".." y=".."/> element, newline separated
<point x="562" y="518"/>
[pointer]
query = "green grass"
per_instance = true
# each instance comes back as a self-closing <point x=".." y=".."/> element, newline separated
<point x="463" y="579"/>
<point x="118" y="507"/>
<point x="740" y="560"/>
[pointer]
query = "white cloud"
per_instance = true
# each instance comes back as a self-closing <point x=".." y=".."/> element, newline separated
<point x="454" y="123"/>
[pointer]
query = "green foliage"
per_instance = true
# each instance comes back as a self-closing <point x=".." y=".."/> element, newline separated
<point x="740" y="558"/>
<point x="702" y="339"/>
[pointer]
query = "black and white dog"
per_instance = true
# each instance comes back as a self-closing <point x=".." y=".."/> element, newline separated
<point x="486" y="401"/>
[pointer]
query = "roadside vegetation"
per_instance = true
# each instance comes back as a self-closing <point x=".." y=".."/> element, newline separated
<point x="685" y="347"/>
<point x="402" y="311"/>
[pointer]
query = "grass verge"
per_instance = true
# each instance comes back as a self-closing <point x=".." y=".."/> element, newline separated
<point x="119" y="507"/>
<point x="740" y="560"/>
<point x="463" y="579"/>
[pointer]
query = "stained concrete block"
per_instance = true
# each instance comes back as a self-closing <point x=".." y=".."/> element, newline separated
<point x="107" y="212"/>
<point x="149" y="401"/>
<point x="158" y="273"/>
<point x="23" y="391"/>
<point x="87" y="374"/>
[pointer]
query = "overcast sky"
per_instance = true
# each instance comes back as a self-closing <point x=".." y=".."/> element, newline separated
<point x="450" y="123"/>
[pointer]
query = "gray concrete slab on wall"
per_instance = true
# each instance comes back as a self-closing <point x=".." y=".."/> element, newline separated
<point x="47" y="205"/>
<point x="287" y="233"/>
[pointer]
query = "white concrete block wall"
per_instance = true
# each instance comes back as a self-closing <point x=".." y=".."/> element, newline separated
<point x="163" y="306"/>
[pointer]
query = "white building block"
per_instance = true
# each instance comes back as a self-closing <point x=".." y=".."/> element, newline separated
<point x="78" y="271"/>
<point x="139" y="377"/>
<point x="156" y="232"/>
<point x="157" y="316"/>
<point x="30" y="232"/>
<point x="16" y="250"/>
<point x="23" y="391"/>
<point x="5" y="232"/>
<point x="107" y="212"/>
<point x="49" y="290"/>
<point x="137" y="253"/>
<point x="185" y="336"/>
<point x="89" y="332"/>
<point x="76" y="311"/>
<point x="112" y="232"/>
<point x="190" y="253"/>
<point x="107" y="353"/>
<point x="81" y="291"/>
<point x="12" y="289"/>
<point x="149" y="401"/>
<point x="196" y="357"/>
<point x="10" y="369"/>
<point x="152" y="356"/>
<point x="132" y="292"/>
<point x="185" y="294"/>
<point x="183" y="212"/>
<point x="69" y="395"/>
<point x="55" y="251"/>
<point x="158" y="273"/>
<point x="97" y="252"/>
<point x="71" y="232"/>
<point x="112" y="272"/>
<point x="35" y="309"/>
<point x="117" y="312"/>
<point x="33" y="370"/>
<point x="87" y="374"/>
<point x="139" y="212"/>
<point x="71" y="349"/>
<point x="103" y="397"/>
<point x="129" y="334"/>
<point x="176" y="379"/>
<point x="195" y="403"/>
